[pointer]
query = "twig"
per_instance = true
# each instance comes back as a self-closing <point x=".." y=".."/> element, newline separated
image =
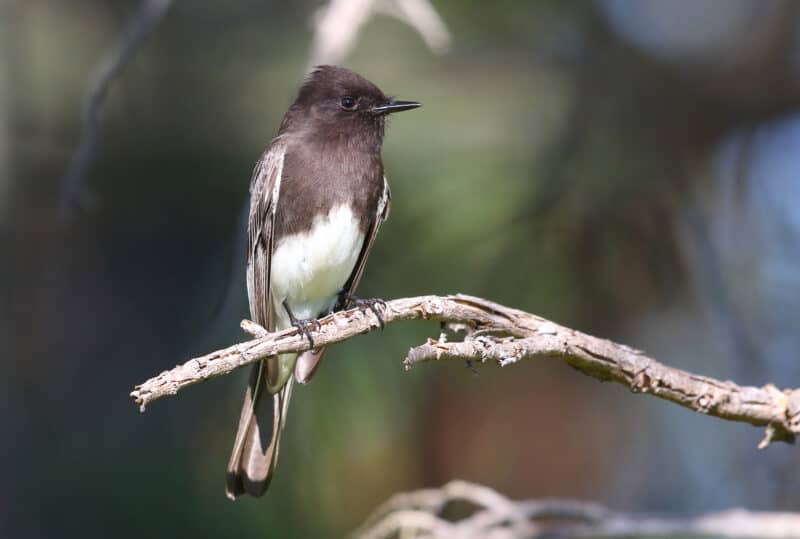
<point x="338" y="23"/>
<point x="505" y="335"/>
<point x="147" y="18"/>
<point x="421" y="512"/>
<point x="422" y="17"/>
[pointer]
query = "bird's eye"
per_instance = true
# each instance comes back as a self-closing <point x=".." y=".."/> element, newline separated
<point x="348" y="103"/>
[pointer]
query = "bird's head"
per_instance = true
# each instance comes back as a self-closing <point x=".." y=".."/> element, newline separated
<point x="335" y="98"/>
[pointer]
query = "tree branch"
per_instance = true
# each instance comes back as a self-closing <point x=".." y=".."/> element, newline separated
<point x="504" y="335"/>
<point x="146" y="19"/>
<point x="423" y="513"/>
<point x="338" y="24"/>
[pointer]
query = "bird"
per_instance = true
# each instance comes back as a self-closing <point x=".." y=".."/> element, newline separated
<point x="318" y="196"/>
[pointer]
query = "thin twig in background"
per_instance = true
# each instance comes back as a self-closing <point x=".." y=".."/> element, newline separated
<point x="422" y="514"/>
<point x="504" y="335"/>
<point x="422" y="17"/>
<point x="338" y="24"/>
<point x="73" y="191"/>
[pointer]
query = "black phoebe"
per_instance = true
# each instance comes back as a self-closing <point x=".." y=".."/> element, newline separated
<point x="317" y="198"/>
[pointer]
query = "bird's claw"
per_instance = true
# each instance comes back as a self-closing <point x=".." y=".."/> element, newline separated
<point x="305" y="326"/>
<point x="364" y="304"/>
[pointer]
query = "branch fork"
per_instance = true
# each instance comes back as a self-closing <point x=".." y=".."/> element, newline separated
<point x="505" y="336"/>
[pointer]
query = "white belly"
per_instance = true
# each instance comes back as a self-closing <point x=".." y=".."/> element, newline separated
<point x="310" y="269"/>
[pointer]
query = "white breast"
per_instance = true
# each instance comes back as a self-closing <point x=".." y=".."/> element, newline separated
<point x="310" y="269"/>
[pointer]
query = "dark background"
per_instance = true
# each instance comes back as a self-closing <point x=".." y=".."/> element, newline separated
<point x="627" y="168"/>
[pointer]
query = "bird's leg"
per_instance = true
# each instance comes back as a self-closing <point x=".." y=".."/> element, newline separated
<point x="347" y="299"/>
<point x="305" y="326"/>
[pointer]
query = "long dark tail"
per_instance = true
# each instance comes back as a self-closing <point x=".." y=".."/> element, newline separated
<point x="255" y="450"/>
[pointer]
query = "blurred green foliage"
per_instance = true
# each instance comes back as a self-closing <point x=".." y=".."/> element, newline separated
<point x="544" y="171"/>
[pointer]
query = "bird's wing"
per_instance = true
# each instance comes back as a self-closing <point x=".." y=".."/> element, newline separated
<point x="255" y="449"/>
<point x="382" y="213"/>
<point x="307" y="362"/>
<point x="264" y="192"/>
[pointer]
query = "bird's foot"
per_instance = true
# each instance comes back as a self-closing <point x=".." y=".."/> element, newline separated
<point x="305" y="326"/>
<point x="365" y="304"/>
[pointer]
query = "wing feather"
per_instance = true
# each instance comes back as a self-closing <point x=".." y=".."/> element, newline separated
<point x="382" y="213"/>
<point x="255" y="449"/>
<point x="264" y="194"/>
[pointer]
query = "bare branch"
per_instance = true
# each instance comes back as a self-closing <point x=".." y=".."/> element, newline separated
<point x="422" y="513"/>
<point x="505" y="336"/>
<point x="147" y="18"/>
<point x="337" y="25"/>
<point x="422" y="17"/>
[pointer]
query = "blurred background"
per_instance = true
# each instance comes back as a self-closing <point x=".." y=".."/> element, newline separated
<point x="627" y="168"/>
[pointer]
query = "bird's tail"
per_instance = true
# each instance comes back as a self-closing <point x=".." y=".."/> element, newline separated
<point x="255" y="450"/>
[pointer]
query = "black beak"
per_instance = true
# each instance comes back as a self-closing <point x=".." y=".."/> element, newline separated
<point x="395" y="106"/>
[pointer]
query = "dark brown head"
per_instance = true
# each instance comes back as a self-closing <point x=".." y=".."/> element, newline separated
<point x="334" y="100"/>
